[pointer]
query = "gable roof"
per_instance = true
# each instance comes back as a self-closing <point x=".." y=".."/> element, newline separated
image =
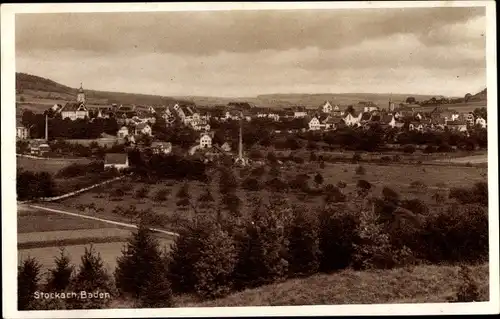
<point x="116" y="158"/>
<point x="72" y="107"/>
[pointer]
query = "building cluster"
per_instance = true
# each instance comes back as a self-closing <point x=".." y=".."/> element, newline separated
<point x="333" y="117"/>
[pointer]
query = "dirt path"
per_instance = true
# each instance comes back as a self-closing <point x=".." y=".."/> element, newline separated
<point x="100" y="219"/>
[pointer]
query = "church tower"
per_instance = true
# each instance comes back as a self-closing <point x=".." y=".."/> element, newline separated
<point x="80" y="97"/>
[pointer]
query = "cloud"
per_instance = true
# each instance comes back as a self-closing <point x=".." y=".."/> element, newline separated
<point x="203" y="33"/>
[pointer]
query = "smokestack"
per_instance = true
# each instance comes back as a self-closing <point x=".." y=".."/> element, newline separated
<point x="46" y="127"/>
<point x="240" y="145"/>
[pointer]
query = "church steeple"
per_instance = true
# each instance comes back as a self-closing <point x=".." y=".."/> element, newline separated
<point x="80" y="97"/>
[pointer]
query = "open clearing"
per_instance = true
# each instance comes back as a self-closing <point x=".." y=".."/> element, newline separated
<point x="474" y="159"/>
<point x="42" y="233"/>
<point x="421" y="284"/>
<point x="50" y="165"/>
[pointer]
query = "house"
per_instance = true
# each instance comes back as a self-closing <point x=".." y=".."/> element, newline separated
<point x="416" y="126"/>
<point x="205" y="140"/>
<point x="226" y="147"/>
<point x="74" y="111"/>
<point x="388" y="120"/>
<point x="460" y="126"/>
<point x="22" y="132"/>
<point x="439" y="123"/>
<point x="314" y="124"/>
<point x="39" y="147"/>
<point x="333" y="122"/>
<point x="481" y="122"/>
<point x="449" y="115"/>
<point x="369" y="108"/>
<point x="161" y="147"/>
<point x="469" y="118"/>
<point x="123" y="132"/>
<point x="143" y="128"/>
<point x="352" y="120"/>
<point x="299" y="114"/>
<point x="337" y="111"/>
<point x="116" y="160"/>
<point x="419" y="116"/>
<point x="327" y="107"/>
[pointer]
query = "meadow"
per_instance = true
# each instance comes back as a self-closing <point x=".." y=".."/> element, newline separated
<point x="52" y="165"/>
<point x="410" y="181"/>
<point x="419" y="284"/>
<point x="41" y="234"/>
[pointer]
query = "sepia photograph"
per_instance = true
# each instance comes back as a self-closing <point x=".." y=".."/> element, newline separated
<point x="179" y="159"/>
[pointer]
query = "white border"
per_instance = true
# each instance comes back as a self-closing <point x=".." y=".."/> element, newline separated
<point x="9" y="220"/>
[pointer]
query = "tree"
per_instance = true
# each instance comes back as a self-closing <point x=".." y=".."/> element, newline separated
<point x="350" y="110"/>
<point x="139" y="271"/>
<point x="360" y="170"/>
<point x="232" y="203"/>
<point x="303" y="244"/>
<point x="318" y="179"/>
<point x="467" y="97"/>
<point x="363" y="187"/>
<point x="390" y="195"/>
<point x="410" y="100"/>
<point x="161" y="195"/>
<point x="227" y="181"/>
<point x="60" y="276"/>
<point x="91" y="275"/>
<point x="28" y="277"/>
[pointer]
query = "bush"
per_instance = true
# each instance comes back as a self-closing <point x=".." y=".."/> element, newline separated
<point x="162" y="194"/>
<point x="277" y="185"/>
<point x="227" y="182"/>
<point x="409" y="149"/>
<point x="341" y="184"/>
<point x="363" y="187"/>
<point x="142" y="192"/>
<point x="337" y="233"/>
<point x="31" y="185"/>
<point x="251" y="184"/>
<point x="318" y="179"/>
<point x="477" y="194"/>
<point x="468" y="290"/>
<point x="360" y="170"/>
<point x="390" y="195"/>
<point x="419" y="185"/>
<point x="430" y="149"/>
<point x="415" y="205"/>
<point x="333" y="194"/>
<point x="258" y="171"/>
<point x="459" y="234"/>
<point x="303" y="244"/>
<point x="183" y="191"/>
<point x="356" y="157"/>
<point x="232" y="203"/>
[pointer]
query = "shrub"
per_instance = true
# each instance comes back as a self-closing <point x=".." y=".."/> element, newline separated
<point x="183" y="191"/>
<point x="277" y="185"/>
<point x="419" y="185"/>
<point x="227" y="181"/>
<point x="162" y="194"/>
<point x="363" y="187"/>
<point x="390" y="195"/>
<point x="303" y="244"/>
<point x="459" y="234"/>
<point x="341" y="184"/>
<point x="142" y="192"/>
<point x="409" y="149"/>
<point x="356" y="157"/>
<point x="333" y="194"/>
<point x="298" y="181"/>
<point x="251" y="184"/>
<point x="28" y="277"/>
<point x="322" y="164"/>
<point x="468" y="290"/>
<point x="139" y="271"/>
<point x="258" y="171"/>
<point x="313" y="157"/>
<point x="318" y="179"/>
<point x="360" y="170"/>
<point x="396" y="158"/>
<point x="429" y="149"/>
<point x="415" y="205"/>
<point x="477" y="194"/>
<point x="232" y="203"/>
<point x="337" y="233"/>
<point x="60" y="276"/>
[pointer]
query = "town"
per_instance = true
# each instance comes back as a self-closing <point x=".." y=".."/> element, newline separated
<point x="146" y="127"/>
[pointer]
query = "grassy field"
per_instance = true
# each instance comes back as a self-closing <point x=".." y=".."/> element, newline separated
<point x="473" y="159"/>
<point x="51" y="166"/>
<point x="421" y="284"/>
<point x="401" y="178"/>
<point x="41" y="234"/>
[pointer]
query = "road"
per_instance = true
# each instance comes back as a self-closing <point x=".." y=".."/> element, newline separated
<point x="100" y="219"/>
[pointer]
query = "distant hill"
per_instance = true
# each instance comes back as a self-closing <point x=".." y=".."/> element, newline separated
<point x="36" y="93"/>
<point x="480" y="96"/>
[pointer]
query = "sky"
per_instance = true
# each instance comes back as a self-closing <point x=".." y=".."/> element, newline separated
<point x="437" y="51"/>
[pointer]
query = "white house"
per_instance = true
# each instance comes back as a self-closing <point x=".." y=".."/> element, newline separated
<point x="74" y="111"/>
<point x="143" y="128"/>
<point x="205" y="141"/>
<point x="122" y="132"/>
<point x="370" y="108"/>
<point x="299" y="114"/>
<point x="116" y="160"/>
<point x="314" y="124"/>
<point x="22" y="132"/>
<point x="481" y="122"/>
<point x="416" y="126"/>
<point x="351" y="120"/>
<point x="327" y="107"/>
<point x="161" y="147"/>
<point x="419" y="116"/>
